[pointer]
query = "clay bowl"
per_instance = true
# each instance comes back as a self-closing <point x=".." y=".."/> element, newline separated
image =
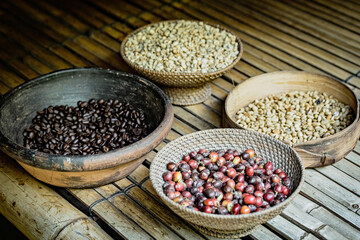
<point x="20" y="105"/>
<point x="182" y="88"/>
<point x="314" y="153"/>
<point x="228" y="226"/>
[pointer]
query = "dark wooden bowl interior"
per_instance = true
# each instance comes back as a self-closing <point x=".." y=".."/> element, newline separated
<point x="19" y="106"/>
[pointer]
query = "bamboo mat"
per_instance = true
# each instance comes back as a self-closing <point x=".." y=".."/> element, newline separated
<point x="323" y="36"/>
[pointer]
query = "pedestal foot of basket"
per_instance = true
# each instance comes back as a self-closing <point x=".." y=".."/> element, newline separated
<point x="227" y="234"/>
<point x="188" y="95"/>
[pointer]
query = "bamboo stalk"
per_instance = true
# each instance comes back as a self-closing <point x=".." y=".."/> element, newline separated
<point x="37" y="210"/>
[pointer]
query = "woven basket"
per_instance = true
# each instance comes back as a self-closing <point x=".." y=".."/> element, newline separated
<point x="314" y="153"/>
<point x="179" y="79"/>
<point x="193" y="89"/>
<point x="270" y="149"/>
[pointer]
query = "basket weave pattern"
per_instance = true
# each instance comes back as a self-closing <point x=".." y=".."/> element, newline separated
<point x="170" y="79"/>
<point x="268" y="148"/>
<point x="188" y="96"/>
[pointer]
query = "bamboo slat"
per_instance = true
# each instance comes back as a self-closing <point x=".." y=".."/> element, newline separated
<point x="294" y="22"/>
<point x="333" y="17"/>
<point x="308" y="38"/>
<point x="339" y="209"/>
<point x="333" y="190"/>
<point x="341" y="178"/>
<point x="325" y="216"/>
<point x="288" y="230"/>
<point x="318" y="36"/>
<point x="279" y="34"/>
<point x="311" y="224"/>
<point x="348" y="168"/>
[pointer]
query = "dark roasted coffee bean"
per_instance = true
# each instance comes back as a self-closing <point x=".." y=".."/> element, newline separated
<point x="54" y="128"/>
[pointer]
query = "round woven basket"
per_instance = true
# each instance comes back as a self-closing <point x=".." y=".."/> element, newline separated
<point x="183" y="80"/>
<point x="228" y="226"/>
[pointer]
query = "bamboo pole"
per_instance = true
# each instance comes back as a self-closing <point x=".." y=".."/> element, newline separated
<point x="37" y="210"/>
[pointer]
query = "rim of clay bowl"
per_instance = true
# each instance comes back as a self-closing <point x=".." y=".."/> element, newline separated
<point x="88" y="162"/>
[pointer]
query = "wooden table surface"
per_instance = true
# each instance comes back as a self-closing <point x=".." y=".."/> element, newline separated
<point x="38" y="37"/>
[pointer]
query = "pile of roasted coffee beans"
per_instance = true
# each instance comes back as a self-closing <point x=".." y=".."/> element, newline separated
<point x="225" y="182"/>
<point x="92" y="127"/>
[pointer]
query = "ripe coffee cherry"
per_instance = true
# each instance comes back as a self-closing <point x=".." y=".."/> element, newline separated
<point x="171" y="166"/>
<point x="245" y="156"/>
<point x="282" y="175"/>
<point x="192" y="154"/>
<point x="186" y="194"/>
<point x="186" y="158"/>
<point x="206" y="161"/>
<point x="269" y="166"/>
<point x="249" y="199"/>
<point x="222" y="210"/>
<point x="179" y="186"/>
<point x="240" y="187"/>
<point x="223" y="169"/>
<point x="214" y="156"/>
<point x="184" y="167"/>
<point x="203" y="175"/>
<point x="251" y="152"/>
<point x="225" y="182"/>
<point x="228" y="196"/>
<point x="245" y="210"/>
<point x="275" y="178"/>
<point x="218" y="175"/>
<point x="171" y="195"/>
<point x="209" y="192"/>
<point x="204" y="152"/>
<point x="269" y="196"/>
<point x="227" y="189"/>
<point x="259" y="186"/>
<point x="240" y="167"/>
<point x="231" y="172"/>
<point x="218" y="184"/>
<point x="198" y="157"/>
<point x="259" y="194"/>
<point x="209" y="202"/>
<point x="250" y="189"/>
<point x="250" y="171"/>
<point x="236" y="209"/>
<point x="167" y="176"/>
<point x="258" y="201"/>
<point x="285" y="191"/>
<point x="186" y="175"/>
<point x="177" y="177"/>
<point x="240" y="178"/>
<point x="189" y="182"/>
<point x="286" y="181"/>
<point x="207" y="209"/>
<point x="228" y="156"/>
<point x="278" y="188"/>
<point x="231" y="183"/>
<point x="236" y="160"/>
<point x="193" y="164"/>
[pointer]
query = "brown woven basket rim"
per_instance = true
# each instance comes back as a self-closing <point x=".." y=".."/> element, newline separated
<point x="171" y="74"/>
<point x="229" y="217"/>
<point x="311" y="142"/>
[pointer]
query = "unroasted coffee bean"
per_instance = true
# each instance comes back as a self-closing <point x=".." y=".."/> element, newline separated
<point x="91" y="127"/>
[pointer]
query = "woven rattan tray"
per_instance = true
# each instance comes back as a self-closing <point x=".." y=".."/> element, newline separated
<point x="228" y="226"/>
<point x="194" y="81"/>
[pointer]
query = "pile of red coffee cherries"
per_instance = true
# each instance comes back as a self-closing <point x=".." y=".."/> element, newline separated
<point x="225" y="182"/>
